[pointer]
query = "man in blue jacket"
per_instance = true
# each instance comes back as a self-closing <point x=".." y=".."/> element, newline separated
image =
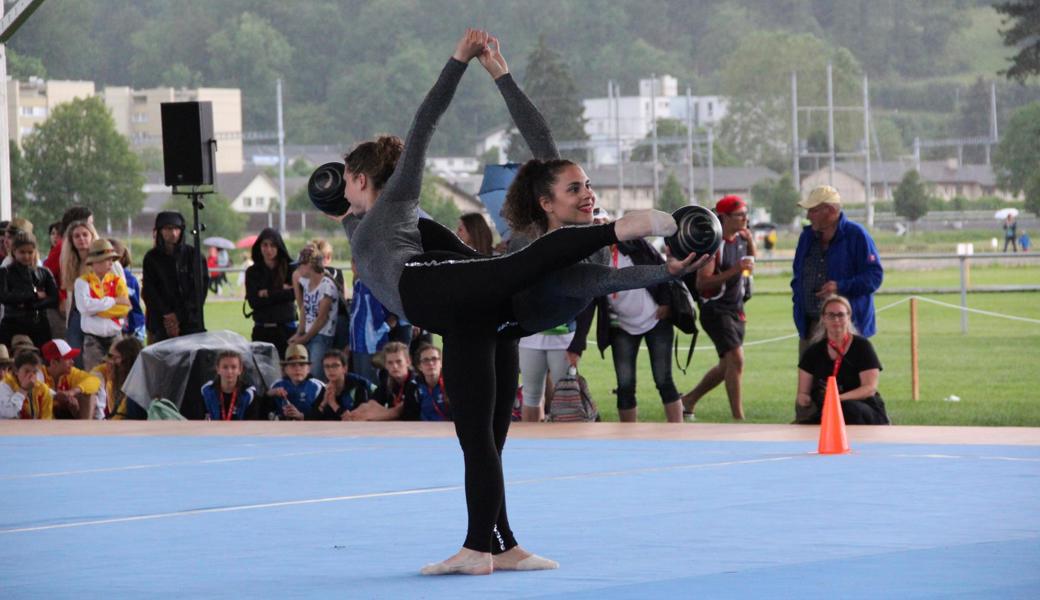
<point x="834" y="256"/>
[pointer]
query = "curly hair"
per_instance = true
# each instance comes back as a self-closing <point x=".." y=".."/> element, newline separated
<point x="533" y="181"/>
<point x="376" y="159"/>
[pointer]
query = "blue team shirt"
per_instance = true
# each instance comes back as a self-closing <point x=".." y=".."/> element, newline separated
<point x="303" y="396"/>
<point x="211" y="396"/>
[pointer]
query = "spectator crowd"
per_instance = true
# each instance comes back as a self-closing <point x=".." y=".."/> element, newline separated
<point x="73" y="323"/>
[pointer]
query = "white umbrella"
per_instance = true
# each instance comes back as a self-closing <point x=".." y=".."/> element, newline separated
<point x="1004" y="213"/>
<point x="219" y="242"/>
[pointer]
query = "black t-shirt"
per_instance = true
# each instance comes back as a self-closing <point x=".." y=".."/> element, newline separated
<point x="389" y="394"/>
<point x="816" y="361"/>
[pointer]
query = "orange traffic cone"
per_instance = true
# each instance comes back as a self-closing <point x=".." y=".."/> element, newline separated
<point x="833" y="439"/>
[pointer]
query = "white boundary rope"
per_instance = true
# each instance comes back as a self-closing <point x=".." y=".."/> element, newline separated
<point x="976" y="310"/>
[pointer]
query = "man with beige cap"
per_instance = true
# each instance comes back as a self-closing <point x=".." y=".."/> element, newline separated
<point x="834" y="256"/>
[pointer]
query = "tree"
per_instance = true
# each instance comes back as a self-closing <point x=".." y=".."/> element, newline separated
<point x="672" y="196"/>
<point x="1024" y="34"/>
<point x="1017" y="157"/>
<point x="77" y="157"/>
<point x="1032" y="192"/>
<point x="757" y="78"/>
<point x="441" y="209"/>
<point x="251" y="54"/>
<point x="780" y="196"/>
<point x="911" y="197"/>
<point x="19" y="186"/>
<point x="551" y="87"/>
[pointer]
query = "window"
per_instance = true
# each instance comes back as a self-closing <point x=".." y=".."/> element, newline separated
<point x="247" y="202"/>
<point x="139" y="117"/>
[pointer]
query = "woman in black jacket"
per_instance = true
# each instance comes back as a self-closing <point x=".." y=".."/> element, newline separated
<point x="269" y="291"/>
<point x="625" y="319"/>
<point x="26" y="291"/>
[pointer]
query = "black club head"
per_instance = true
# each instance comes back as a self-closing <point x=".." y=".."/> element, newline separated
<point x="326" y="187"/>
<point x="699" y="232"/>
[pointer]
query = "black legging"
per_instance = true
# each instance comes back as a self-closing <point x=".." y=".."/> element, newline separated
<point x="474" y="364"/>
<point x="466" y="300"/>
<point x="444" y="291"/>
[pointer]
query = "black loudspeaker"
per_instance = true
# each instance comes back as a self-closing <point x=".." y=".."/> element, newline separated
<point x="187" y="143"/>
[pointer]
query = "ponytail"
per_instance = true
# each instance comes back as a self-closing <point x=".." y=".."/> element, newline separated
<point x="376" y="159"/>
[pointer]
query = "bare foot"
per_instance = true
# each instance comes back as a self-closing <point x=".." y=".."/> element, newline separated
<point x="637" y="224"/>
<point x="464" y="562"/>
<point x="518" y="559"/>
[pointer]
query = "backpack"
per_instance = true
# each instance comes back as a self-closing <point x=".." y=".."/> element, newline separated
<point x="572" y="402"/>
<point x="164" y="410"/>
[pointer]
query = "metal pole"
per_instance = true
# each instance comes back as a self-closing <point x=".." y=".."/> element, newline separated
<point x="281" y="162"/>
<point x="915" y="384"/>
<point x="866" y="153"/>
<point x="917" y="154"/>
<point x="653" y="131"/>
<point x="689" y="143"/>
<point x="964" y="293"/>
<point x="620" y="147"/>
<point x="5" y="150"/>
<point x="200" y="291"/>
<point x="993" y="112"/>
<point x="830" y="123"/>
<point x="711" y="165"/>
<point x="796" y="151"/>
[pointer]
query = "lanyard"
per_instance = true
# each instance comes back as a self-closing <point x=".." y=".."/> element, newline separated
<point x="839" y="352"/>
<point x="433" y="397"/>
<point x="231" y="406"/>
<point x="399" y="394"/>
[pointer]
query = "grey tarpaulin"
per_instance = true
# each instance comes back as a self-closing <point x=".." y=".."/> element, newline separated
<point x="163" y="370"/>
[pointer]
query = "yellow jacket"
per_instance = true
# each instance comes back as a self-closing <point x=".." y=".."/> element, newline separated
<point x="76" y="378"/>
<point x="38" y="404"/>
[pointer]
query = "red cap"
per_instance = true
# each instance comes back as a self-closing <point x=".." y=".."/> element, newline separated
<point x="729" y="204"/>
<point x="58" y="349"/>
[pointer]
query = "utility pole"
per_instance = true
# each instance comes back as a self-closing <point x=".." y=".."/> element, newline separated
<point x="869" y="199"/>
<point x="830" y="121"/>
<point x="689" y="143"/>
<point x="992" y="117"/>
<point x="281" y="161"/>
<point x="796" y="150"/>
<point x="653" y="131"/>
<point x="711" y="165"/>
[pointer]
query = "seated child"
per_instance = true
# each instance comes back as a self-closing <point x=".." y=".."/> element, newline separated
<point x="228" y="396"/>
<point x="397" y="396"/>
<point x="296" y="393"/>
<point x="433" y="401"/>
<point x="75" y="390"/>
<point x="344" y="390"/>
<point x="112" y="402"/>
<point x="21" y="395"/>
<point x="103" y="301"/>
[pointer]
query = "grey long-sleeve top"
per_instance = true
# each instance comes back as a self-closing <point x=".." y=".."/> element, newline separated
<point x="388" y="235"/>
<point x="562" y="294"/>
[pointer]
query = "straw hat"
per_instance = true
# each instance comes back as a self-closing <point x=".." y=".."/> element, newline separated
<point x="21" y="342"/>
<point x="5" y="357"/>
<point x="296" y="354"/>
<point x="100" y="249"/>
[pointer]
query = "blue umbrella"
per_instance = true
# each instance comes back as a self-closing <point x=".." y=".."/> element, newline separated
<point x="493" y="193"/>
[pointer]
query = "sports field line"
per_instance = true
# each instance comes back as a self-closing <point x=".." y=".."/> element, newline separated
<point x="408" y="492"/>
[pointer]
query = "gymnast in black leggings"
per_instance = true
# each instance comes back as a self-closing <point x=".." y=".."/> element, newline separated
<point x="466" y="299"/>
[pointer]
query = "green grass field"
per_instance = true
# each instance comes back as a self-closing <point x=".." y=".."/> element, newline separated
<point x="992" y="369"/>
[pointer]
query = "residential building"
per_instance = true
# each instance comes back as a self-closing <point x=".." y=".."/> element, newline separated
<point x="138" y="116"/>
<point x="630" y="118"/>
<point x="29" y="103"/>
<point x="638" y="188"/>
<point x="946" y="179"/>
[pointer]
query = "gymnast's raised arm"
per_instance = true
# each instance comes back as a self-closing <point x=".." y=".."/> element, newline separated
<point x="525" y="115"/>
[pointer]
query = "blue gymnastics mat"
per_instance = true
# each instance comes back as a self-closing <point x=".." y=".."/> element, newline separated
<point x="356" y="517"/>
